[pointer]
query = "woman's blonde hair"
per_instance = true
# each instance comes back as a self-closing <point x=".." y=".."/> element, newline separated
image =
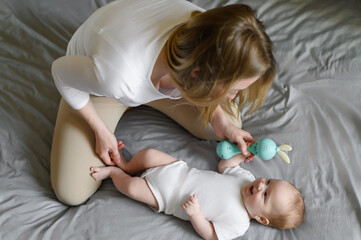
<point x="212" y="50"/>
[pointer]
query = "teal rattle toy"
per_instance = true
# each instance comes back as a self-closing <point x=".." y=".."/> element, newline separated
<point x="265" y="148"/>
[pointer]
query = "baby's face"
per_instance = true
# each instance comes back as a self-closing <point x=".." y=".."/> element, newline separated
<point x="264" y="196"/>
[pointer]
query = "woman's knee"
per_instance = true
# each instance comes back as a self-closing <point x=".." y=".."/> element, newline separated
<point x="71" y="196"/>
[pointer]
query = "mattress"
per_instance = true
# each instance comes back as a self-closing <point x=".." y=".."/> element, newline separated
<point x="314" y="105"/>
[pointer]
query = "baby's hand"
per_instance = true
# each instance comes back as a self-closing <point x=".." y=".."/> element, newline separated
<point x="191" y="206"/>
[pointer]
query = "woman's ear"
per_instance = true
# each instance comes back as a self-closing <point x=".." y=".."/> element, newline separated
<point x="262" y="220"/>
<point x="195" y="72"/>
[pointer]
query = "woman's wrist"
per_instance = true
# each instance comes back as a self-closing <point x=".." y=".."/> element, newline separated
<point x="219" y="121"/>
<point x="92" y="118"/>
<point x="99" y="128"/>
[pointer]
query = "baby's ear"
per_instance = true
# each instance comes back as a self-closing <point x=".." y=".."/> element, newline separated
<point x="262" y="220"/>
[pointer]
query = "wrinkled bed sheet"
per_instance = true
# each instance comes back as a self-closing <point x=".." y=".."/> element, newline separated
<point x="314" y="105"/>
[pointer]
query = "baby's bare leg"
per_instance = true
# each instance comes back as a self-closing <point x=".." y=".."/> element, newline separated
<point x="133" y="187"/>
<point x="121" y="163"/>
<point x="145" y="159"/>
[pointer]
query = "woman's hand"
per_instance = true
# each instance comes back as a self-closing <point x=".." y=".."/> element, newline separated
<point x="107" y="147"/>
<point x="225" y="129"/>
<point x="242" y="138"/>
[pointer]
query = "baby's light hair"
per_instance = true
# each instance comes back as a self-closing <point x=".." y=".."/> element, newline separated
<point x="293" y="211"/>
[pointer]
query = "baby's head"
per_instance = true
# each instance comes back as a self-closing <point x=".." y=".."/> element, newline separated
<point x="273" y="202"/>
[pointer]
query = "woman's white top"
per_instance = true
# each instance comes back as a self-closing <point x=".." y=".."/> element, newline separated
<point x="113" y="52"/>
<point x="219" y="195"/>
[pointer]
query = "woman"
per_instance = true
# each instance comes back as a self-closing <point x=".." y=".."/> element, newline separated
<point x="158" y="53"/>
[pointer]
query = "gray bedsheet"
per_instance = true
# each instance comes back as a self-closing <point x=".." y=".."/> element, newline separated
<point x="314" y="105"/>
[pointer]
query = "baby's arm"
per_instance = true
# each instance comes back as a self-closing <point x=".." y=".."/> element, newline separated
<point x="203" y="227"/>
<point x="232" y="162"/>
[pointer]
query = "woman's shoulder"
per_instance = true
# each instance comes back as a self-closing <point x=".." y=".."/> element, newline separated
<point x="130" y="26"/>
<point x="136" y="12"/>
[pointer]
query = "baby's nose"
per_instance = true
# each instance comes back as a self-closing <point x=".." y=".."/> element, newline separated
<point x="259" y="186"/>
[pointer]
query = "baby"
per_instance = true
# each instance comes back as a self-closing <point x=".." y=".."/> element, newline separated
<point x="219" y="205"/>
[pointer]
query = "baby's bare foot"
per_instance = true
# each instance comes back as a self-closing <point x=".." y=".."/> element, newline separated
<point x="100" y="173"/>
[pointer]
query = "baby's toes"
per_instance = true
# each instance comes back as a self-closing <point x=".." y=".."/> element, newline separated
<point x="96" y="176"/>
<point x="97" y="173"/>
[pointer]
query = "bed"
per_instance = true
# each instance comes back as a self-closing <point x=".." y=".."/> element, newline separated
<point x="314" y="105"/>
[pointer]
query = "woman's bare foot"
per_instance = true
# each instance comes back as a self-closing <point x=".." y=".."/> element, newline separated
<point x="100" y="173"/>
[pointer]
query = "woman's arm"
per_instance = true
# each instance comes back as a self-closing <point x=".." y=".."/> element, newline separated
<point x="74" y="76"/>
<point x="202" y="226"/>
<point x="225" y="129"/>
<point x="106" y="143"/>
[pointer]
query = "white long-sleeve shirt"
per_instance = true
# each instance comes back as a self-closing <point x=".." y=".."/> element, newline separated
<point x="113" y="52"/>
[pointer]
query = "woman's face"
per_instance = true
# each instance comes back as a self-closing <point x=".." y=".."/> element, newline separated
<point x="240" y="85"/>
